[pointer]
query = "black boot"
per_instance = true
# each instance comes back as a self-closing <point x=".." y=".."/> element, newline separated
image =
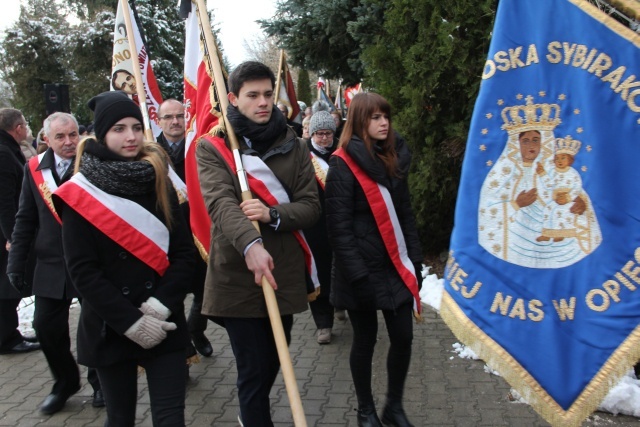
<point x="393" y="415"/>
<point x="367" y="417"/>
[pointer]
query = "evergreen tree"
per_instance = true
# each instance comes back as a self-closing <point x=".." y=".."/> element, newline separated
<point x="92" y="48"/>
<point x="427" y="62"/>
<point x="34" y="52"/>
<point x="318" y="35"/>
<point x="303" y="91"/>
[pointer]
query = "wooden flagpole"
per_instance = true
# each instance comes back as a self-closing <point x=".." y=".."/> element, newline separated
<point x="269" y="294"/>
<point x="142" y="96"/>
<point x="280" y="72"/>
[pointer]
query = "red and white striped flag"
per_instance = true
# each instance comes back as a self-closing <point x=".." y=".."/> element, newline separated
<point x="201" y="117"/>
<point x="122" y="74"/>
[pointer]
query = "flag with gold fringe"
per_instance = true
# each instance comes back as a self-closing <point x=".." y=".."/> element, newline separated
<point x="544" y="268"/>
<point x="201" y="117"/>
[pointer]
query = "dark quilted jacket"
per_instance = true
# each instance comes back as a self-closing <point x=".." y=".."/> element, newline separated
<point x="360" y="257"/>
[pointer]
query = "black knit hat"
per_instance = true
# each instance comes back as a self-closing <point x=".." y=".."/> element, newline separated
<point x="110" y="107"/>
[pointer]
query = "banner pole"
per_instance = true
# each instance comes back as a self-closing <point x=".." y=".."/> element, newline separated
<point x="279" y="78"/>
<point x="142" y="96"/>
<point x="269" y="294"/>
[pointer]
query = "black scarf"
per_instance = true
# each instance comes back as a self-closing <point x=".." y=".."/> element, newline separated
<point x="115" y="174"/>
<point x="261" y="136"/>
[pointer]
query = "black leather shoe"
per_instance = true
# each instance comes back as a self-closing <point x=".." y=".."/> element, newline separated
<point x="22" y="347"/>
<point x="202" y="344"/>
<point x="98" y="399"/>
<point x="394" y="415"/>
<point x="55" y="402"/>
<point x="367" y="417"/>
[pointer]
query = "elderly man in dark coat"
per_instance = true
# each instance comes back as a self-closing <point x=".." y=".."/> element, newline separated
<point x="38" y="226"/>
<point x="13" y="128"/>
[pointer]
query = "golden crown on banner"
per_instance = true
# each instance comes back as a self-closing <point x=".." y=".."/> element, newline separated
<point x="567" y="145"/>
<point x="522" y="118"/>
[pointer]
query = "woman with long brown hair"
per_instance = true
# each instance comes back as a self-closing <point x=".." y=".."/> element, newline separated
<point x="377" y="254"/>
<point x="129" y="254"/>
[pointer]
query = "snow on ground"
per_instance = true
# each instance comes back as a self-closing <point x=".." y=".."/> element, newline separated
<point x="623" y="399"/>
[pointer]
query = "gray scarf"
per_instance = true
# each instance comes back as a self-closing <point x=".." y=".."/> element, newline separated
<point x="114" y="174"/>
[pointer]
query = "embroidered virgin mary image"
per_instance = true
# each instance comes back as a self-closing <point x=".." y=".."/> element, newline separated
<point x="534" y="210"/>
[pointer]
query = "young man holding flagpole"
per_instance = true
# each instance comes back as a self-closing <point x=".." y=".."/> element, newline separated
<point x="282" y="178"/>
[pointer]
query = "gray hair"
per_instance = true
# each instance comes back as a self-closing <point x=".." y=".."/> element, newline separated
<point x="9" y="118"/>
<point x="65" y="117"/>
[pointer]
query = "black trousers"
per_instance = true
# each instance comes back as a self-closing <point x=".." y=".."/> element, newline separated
<point x="9" y="334"/>
<point x="257" y="361"/>
<point x="167" y="390"/>
<point x="196" y="322"/>
<point x="51" y="323"/>
<point x="365" y="330"/>
<point x="322" y="311"/>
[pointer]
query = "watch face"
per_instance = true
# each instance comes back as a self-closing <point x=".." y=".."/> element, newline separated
<point x="273" y="213"/>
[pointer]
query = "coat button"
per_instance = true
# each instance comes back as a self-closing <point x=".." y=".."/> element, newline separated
<point x="125" y="291"/>
<point x="148" y="285"/>
<point x="122" y="255"/>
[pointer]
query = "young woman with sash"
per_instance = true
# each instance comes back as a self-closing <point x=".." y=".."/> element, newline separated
<point x="129" y="254"/>
<point x="377" y="253"/>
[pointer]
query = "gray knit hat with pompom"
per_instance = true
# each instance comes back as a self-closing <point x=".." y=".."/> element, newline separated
<point x="322" y="120"/>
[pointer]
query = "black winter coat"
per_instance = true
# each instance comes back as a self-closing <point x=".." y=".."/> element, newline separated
<point x="113" y="284"/>
<point x="361" y="265"/>
<point x="37" y="227"/>
<point x="317" y="236"/>
<point x="11" y="173"/>
<point x="178" y="160"/>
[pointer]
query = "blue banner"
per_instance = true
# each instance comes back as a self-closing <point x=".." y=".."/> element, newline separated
<point x="544" y="270"/>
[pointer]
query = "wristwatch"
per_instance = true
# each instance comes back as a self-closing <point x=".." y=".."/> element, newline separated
<point x="274" y="214"/>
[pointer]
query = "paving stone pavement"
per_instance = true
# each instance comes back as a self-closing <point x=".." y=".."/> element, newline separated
<point x="442" y="389"/>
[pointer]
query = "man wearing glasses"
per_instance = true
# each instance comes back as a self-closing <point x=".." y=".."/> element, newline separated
<point x="13" y="128"/>
<point x="172" y="122"/>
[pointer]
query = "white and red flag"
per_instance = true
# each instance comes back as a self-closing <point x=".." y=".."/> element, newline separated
<point x="201" y="116"/>
<point x="122" y="72"/>
<point x="350" y="92"/>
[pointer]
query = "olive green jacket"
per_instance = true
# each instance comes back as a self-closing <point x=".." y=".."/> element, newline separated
<point x="230" y="290"/>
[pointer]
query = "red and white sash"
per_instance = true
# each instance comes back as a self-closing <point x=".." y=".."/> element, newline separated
<point x="388" y="224"/>
<point x="320" y="167"/>
<point x="125" y="222"/>
<point x="45" y="183"/>
<point x="264" y="184"/>
<point x="178" y="185"/>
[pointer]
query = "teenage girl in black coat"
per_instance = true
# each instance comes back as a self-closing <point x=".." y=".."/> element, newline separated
<point x="364" y="278"/>
<point x="132" y="313"/>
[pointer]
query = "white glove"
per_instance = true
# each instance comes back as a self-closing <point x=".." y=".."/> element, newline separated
<point x="154" y="308"/>
<point x="148" y="331"/>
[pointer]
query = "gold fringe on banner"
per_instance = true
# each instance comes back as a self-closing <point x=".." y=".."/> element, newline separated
<point x="203" y="251"/>
<point x="615" y="26"/>
<point x="631" y="8"/>
<point x="496" y="357"/>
